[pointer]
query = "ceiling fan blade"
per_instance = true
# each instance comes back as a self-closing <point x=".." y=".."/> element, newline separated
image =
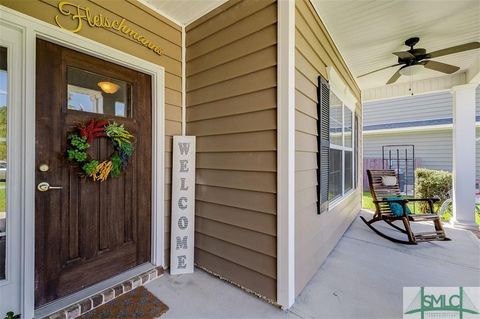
<point x="394" y="77"/>
<point x="455" y="49"/>
<point x="441" y="67"/>
<point x="387" y="67"/>
<point x="404" y="55"/>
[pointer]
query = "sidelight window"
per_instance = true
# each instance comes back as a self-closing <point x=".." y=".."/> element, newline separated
<point x="3" y="160"/>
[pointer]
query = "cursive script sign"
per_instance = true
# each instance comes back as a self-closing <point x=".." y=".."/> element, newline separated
<point x="81" y="15"/>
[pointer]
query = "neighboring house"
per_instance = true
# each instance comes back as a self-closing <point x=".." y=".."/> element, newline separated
<point x="423" y="120"/>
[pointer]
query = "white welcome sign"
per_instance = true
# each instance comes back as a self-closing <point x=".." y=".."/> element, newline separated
<point x="183" y="205"/>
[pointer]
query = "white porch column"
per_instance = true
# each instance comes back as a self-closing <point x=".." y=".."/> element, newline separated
<point x="464" y="156"/>
<point x="286" y="153"/>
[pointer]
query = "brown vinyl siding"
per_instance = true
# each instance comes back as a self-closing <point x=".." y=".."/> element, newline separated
<point x="160" y="30"/>
<point x="231" y="108"/>
<point x="315" y="235"/>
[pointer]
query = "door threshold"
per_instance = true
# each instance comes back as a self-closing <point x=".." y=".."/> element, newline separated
<point x="91" y="297"/>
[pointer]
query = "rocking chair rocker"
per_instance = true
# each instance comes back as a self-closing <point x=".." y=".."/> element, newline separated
<point x="383" y="211"/>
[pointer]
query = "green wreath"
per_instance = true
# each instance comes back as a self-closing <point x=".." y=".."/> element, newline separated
<point x="79" y="143"/>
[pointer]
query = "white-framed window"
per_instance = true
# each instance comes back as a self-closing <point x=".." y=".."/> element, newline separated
<point x="337" y="141"/>
<point x="341" y="158"/>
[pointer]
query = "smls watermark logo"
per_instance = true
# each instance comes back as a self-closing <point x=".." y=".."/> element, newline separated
<point x="441" y="302"/>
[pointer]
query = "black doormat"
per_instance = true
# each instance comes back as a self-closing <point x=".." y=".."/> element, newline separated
<point x="136" y="304"/>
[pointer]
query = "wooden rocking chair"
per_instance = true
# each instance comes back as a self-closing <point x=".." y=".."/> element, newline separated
<point x="380" y="191"/>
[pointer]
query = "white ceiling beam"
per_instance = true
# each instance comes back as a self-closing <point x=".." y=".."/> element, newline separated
<point x="417" y="87"/>
<point x="473" y="73"/>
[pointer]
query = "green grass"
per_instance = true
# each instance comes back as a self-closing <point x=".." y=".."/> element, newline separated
<point x="367" y="203"/>
<point x="3" y="198"/>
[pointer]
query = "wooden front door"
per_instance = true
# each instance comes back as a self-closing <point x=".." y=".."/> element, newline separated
<point x="88" y="231"/>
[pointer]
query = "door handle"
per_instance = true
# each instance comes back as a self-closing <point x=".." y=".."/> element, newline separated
<point x="44" y="186"/>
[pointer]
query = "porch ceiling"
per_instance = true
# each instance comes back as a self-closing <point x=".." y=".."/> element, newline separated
<point x="367" y="32"/>
<point x="184" y="11"/>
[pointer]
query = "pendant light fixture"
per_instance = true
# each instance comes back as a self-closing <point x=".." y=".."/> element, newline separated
<point x="108" y="87"/>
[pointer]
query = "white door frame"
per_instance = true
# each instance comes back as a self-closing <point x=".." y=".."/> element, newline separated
<point x="11" y="38"/>
<point x="32" y="29"/>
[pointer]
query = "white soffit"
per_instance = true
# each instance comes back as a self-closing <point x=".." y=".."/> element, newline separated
<point x="184" y="11"/>
<point x="367" y="32"/>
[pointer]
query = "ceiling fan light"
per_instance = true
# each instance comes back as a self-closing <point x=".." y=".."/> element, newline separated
<point x="411" y="69"/>
<point x="108" y="87"/>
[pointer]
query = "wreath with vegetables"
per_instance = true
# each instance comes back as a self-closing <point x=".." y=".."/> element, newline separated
<point x="79" y="143"/>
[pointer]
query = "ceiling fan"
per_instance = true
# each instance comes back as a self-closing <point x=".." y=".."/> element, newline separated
<point x="415" y="59"/>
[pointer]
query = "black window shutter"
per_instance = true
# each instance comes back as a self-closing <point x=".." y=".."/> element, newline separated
<point x="323" y="141"/>
<point x="357" y="136"/>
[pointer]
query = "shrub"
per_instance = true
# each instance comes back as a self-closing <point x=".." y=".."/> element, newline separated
<point x="11" y="315"/>
<point x="432" y="183"/>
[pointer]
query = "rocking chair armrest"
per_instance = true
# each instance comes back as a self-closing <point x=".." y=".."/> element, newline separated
<point x="430" y="202"/>
<point x="433" y="199"/>
<point x="401" y="201"/>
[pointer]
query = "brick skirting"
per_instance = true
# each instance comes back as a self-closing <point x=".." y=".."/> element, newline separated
<point x="95" y="301"/>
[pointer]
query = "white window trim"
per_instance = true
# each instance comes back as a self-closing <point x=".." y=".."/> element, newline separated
<point x="337" y="201"/>
<point x="351" y="149"/>
<point x="339" y="198"/>
<point x="341" y="90"/>
<point x="12" y="185"/>
<point x="345" y="95"/>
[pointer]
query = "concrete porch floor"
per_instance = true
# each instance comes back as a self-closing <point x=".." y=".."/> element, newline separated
<point x="362" y="277"/>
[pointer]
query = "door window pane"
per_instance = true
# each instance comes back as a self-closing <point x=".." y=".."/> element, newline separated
<point x="95" y="93"/>
<point x="335" y="174"/>
<point x="3" y="159"/>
